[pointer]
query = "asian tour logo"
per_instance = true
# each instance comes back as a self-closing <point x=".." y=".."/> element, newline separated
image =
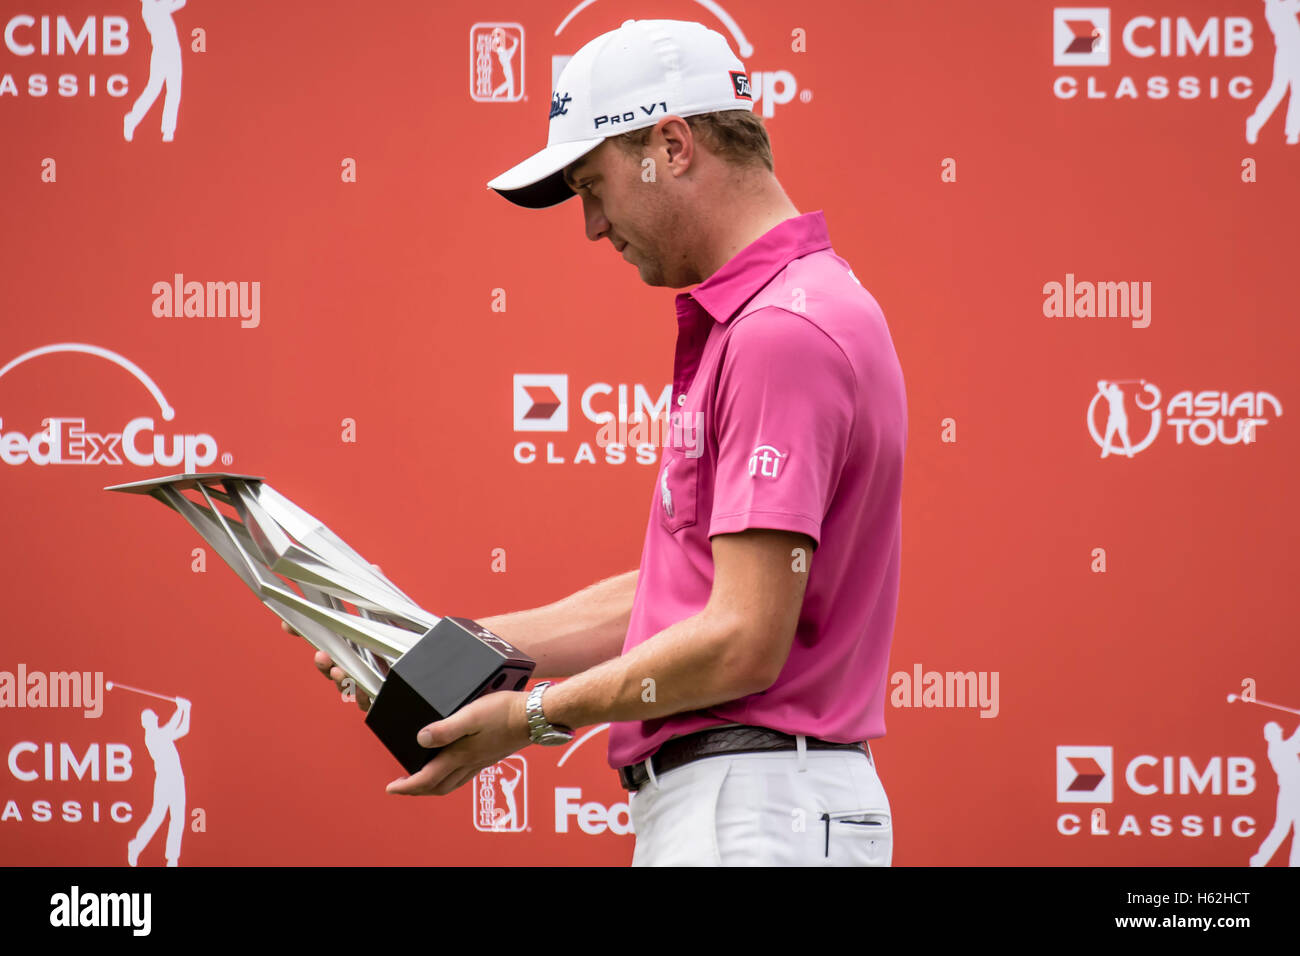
<point x="140" y="442"/>
<point x="1207" y="417"/>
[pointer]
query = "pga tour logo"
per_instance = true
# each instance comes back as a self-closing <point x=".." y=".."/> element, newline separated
<point x="1085" y="775"/>
<point x="496" y="62"/>
<point x="541" y="403"/>
<point x="501" y="797"/>
<point x="1081" y="36"/>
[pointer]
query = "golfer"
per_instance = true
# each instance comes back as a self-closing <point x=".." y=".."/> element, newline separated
<point x="743" y="664"/>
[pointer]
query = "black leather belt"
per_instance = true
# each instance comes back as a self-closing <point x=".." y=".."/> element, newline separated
<point x="680" y="751"/>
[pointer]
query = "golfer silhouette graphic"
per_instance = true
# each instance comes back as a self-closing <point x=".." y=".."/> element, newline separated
<point x="168" y="785"/>
<point x="506" y="55"/>
<point x="1284" y="755"/>
<point x="1117" y="421"/>
<point x="164" y="68"/>
<point x="1281" y="17"/>
<point x="509" y="819"/>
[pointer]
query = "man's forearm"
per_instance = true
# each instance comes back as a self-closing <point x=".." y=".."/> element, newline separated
<point x="576" y="632"/>
<point x="696" y="663"/>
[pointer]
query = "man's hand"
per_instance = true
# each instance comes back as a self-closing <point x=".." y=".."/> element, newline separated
<point x="476" y="736"/>
<point x="326" y="665"/>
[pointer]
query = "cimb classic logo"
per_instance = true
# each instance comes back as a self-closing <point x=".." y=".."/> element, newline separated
<point x="1194" y="46"/>
<point x="1081" y="36"/>
<point x="541" y="403"/>
<point x="76" y="909"/>
<point x="632" y="421"/>
<point x="1084" y="775"/>
<point x="1174" y="790"/>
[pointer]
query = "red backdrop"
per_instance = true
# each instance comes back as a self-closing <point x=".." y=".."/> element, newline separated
<point x="335" y="155"/>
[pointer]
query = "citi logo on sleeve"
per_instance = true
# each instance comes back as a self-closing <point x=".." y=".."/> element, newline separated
<point x="765" y="462"/>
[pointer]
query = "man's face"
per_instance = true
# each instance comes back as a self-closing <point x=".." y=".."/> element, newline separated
<point x="635" y="215"/>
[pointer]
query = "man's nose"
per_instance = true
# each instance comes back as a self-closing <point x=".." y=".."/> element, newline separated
<point x="594" y="216"/>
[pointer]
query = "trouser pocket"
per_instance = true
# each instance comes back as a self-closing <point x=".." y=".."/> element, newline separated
<point x="857" y="838"/>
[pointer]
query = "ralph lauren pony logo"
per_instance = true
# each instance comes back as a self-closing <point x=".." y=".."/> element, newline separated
<point x="559" y="105"/>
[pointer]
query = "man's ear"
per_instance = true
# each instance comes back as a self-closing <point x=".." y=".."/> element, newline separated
<point x="678" y="143"/>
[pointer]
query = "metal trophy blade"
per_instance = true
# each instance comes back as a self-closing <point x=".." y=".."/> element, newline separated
<point x="417" y="667"/>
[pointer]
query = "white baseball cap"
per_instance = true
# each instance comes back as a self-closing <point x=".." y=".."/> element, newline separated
<point x="623" y="80"/>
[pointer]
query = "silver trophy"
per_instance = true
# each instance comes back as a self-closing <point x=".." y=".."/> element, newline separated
<point x="417" y="667"/>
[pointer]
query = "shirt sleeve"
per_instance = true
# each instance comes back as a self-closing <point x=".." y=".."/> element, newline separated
<point x="784" y="415"/>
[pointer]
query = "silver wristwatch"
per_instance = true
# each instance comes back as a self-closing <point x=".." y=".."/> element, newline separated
<point x="541" y="730"/>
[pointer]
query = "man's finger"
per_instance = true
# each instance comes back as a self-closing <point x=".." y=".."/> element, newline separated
<point x="288" y="629"/>
<point x="441" y="733"/>
<point x="423" y="781"/>
<point x="324" y="663"/>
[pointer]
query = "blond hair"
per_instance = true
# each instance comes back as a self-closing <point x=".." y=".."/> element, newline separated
<point x="735" y="136"/>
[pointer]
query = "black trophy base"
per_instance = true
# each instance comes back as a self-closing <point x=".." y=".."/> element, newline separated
<point x="456" y="662"/>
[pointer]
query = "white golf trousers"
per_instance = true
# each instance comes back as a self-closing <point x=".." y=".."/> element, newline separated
<point x="791" y="808"/>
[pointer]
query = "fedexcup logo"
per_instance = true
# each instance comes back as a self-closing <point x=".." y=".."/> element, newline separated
<point x="767" y="89"/>
<point x="68" y="440"/>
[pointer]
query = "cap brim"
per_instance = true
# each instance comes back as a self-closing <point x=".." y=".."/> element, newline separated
<point x="538" y="181"/>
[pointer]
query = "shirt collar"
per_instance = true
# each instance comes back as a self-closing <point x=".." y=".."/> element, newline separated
<point x="724" y="293"/>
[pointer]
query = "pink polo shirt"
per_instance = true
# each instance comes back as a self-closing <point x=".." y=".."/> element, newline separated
<point x="793" y="417"/>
